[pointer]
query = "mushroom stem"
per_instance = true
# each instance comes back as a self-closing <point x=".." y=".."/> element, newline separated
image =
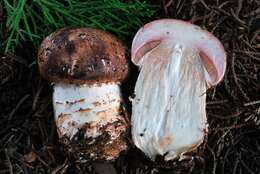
<point x="169" y="116"/>
<point x="94" y="109"/>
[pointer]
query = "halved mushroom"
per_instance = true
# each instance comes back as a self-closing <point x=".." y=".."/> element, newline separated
<point x="178" y="61"/>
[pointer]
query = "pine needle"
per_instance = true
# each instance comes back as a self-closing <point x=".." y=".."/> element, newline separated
<point x="32" y="20"/>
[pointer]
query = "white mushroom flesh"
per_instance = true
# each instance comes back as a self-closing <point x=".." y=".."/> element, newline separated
<point x="168" y="114"/>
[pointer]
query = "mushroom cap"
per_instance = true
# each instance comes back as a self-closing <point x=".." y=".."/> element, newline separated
<point x="82" y="56"/>
<point x="209" y="47"/>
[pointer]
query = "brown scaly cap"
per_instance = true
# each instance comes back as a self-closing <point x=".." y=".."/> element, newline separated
<point x="82" y="56"/>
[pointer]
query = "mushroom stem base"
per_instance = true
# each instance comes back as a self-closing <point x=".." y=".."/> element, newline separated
<point x="91" y="120"/>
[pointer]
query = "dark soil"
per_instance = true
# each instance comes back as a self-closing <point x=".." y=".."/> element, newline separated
<point x="28" y="137"/>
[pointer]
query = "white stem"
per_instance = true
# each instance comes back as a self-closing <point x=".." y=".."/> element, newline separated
<point x="168" y="114"/>
<point x="78" y="105"/>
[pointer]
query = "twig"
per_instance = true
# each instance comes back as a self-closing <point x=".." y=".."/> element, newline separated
<point x="231" y="127"/>
<point x="240" y="4"/>
<point x="17" y="106"/>
<point x="9" y="162"/>
<point x="214" y="159"/>
<point x="227" y="117"/>
<point x="36" y="98"/>
<point x="168" y="3"/>
<point x="223" y="4"/>
<point x="237" y="19"/>
<point x="235" y="77"/>
<point x="204" y="4"/>
<point x="246" y="52"/>
<point x="252" y="103"/>
<point x="235" y="166"/>
<point x="246" y="167"/>
<point x="217" y="102"/>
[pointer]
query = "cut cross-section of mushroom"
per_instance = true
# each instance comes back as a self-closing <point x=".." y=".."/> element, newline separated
<point x="178" y="62"/>
<point x="87" y="66"/>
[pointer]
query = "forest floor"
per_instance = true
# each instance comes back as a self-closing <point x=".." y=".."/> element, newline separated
<point x="28" y="137"/>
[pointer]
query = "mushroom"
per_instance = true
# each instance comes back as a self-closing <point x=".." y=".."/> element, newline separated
<point x="178" y="62"/>
<point x="86" y="67"/>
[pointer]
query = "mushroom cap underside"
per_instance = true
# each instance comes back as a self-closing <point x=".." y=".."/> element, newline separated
<point x="184" y="33"/>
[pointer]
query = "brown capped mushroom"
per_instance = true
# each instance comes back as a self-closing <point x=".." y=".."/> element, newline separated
<point x="178" y="61"/>
<point x="86" y="66"/>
